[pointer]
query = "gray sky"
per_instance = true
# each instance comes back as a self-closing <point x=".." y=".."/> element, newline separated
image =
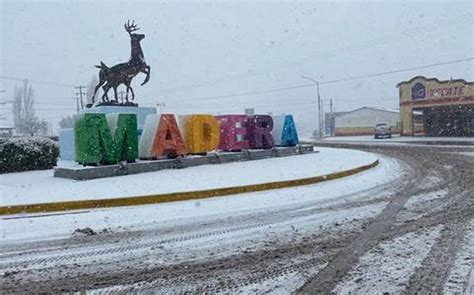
<point x="199" y="50"/>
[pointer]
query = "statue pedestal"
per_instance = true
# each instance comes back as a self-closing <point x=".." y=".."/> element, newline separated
<point x="141" y="112"/>
<point x="66" y="136"/>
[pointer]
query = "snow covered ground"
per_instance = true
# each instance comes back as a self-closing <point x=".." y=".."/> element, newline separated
<point x="388" y="267"/>
<point x="463" y="270"/>
<point x="17" y="229"/>
<point x="395" y="138"/>
<point x="41" y="186"/>
<point x="402" y="221"/>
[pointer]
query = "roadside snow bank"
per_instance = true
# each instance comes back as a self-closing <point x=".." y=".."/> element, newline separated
<point x="42" y="187"/>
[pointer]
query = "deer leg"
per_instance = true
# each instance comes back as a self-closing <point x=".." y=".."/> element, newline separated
<point x="133" y="93"/>
<point x="126" y="93"/>
<point x="105" y="97"/>
<point x="146" y="70"/>
<point x="115" y="93"/>
<point x="95" y="91"/>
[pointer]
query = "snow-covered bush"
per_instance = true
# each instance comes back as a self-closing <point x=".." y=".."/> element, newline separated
<point x="27" y="153"/>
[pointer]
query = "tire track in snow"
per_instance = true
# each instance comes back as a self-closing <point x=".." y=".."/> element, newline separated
<point x="19" y="260"/>
<point x="435" y="268"/>
<point x="387" y="268"/>
<point x="461" y="276"/>
<point x="326" y="280"/>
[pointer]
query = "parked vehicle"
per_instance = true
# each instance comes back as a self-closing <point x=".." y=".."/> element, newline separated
<point x="382" y="130"/>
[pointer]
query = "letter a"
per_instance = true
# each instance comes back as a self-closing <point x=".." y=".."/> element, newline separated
<point x="168" y="140"/>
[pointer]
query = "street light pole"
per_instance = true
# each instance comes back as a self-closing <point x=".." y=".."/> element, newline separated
<point x="320" y="132"/>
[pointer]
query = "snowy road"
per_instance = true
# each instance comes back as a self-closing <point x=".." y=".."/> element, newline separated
<point x="404" y="231"/>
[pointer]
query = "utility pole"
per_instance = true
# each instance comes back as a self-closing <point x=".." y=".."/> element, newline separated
<point x="322" y="118"/>
<point x="79" y="96"/>
<point x="331" y="117"/>
<point x="77" y="103"/>
<point x="320" y="130"/>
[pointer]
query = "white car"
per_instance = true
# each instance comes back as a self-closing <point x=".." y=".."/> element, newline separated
<point x="382" y="130"/>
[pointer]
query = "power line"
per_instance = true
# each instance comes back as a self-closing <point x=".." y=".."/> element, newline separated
<point x="247" y="93"/>
<point x="37" y="81"/>
<point x="397" y="71"/>
<point x="325" y="82"/>
<point x="412" y="32"/>
<point x="307" y="85"/>
<point x="55" y="109"/>
<point x="246" y="105"/>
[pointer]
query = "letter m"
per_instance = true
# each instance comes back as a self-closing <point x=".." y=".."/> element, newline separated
<point x="102" y="139"/>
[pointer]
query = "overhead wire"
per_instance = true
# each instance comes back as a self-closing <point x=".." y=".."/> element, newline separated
<point x="364" y="44"/>
<point x="412" y="32"/>
<point x="51" y="83"/>
<point x="263" y="91"/>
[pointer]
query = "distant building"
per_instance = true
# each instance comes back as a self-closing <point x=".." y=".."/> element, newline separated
<point x="330" y="122"/>
<point x="361" y="121"/>
<point x="436" y="108"/>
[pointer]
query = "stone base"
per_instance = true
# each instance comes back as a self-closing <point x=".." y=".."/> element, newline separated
<point x="87" y="173"/>
<point x="141" y="112"/>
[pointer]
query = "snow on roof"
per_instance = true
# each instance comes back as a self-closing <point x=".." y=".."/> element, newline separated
<point x="335" y="114"/>
<point x="434" y="79"/>
<point x="383" y="109"/>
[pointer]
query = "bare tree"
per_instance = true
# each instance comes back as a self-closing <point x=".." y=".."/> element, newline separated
<point x="24" y="118"/>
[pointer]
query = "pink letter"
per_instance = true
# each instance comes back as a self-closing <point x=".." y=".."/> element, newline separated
<point x="233" y="132"/>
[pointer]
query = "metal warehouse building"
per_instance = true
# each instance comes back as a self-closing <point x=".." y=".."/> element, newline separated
<point x="362" y="121"/>
<point x="447" y="107"/>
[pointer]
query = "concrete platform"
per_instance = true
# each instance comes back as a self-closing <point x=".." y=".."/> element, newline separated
<point x="89" y="172"/>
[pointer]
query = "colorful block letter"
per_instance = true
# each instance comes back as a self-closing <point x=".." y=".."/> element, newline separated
<point x="233" y="132"/>
<point x="147" y="139"/>
<point x="168" y="140"/>
<point x="102" y="139"/>
<point x="201" y="133"/>
<point x="289" y="136"/>
<point x="284" y="131"/>
<point x="259" y="130"/>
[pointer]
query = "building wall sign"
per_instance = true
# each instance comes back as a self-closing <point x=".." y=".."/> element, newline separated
<point x="418" y="91"/>
<point x="446" y="91"/>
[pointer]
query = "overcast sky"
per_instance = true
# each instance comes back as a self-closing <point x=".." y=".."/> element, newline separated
<point x="218" y="48"/>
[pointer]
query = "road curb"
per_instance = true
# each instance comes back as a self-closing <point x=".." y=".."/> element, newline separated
<point x="179" y="196"/>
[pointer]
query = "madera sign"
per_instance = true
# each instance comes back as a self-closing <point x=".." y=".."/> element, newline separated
<point x="108" y="139"/>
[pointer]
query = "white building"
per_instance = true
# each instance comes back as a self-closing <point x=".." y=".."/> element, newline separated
<point x="362" y="121"/>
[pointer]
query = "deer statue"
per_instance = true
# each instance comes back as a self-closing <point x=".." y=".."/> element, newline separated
<point x="123" y="73"/>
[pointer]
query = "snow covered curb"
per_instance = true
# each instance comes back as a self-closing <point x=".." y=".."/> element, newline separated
<point x="180" y="196"/>
<point x="341" y="160"/>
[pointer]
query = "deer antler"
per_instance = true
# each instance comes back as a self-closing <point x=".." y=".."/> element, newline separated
<point x="131" y="27"/>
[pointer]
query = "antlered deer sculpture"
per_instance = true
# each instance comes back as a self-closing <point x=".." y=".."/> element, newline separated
<point x="123" y="73"/>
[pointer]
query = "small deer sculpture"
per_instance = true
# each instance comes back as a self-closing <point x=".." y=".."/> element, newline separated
<point x="123" y="73"/>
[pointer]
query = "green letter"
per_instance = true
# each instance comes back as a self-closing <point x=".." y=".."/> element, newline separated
<point x="94" y="141"/>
